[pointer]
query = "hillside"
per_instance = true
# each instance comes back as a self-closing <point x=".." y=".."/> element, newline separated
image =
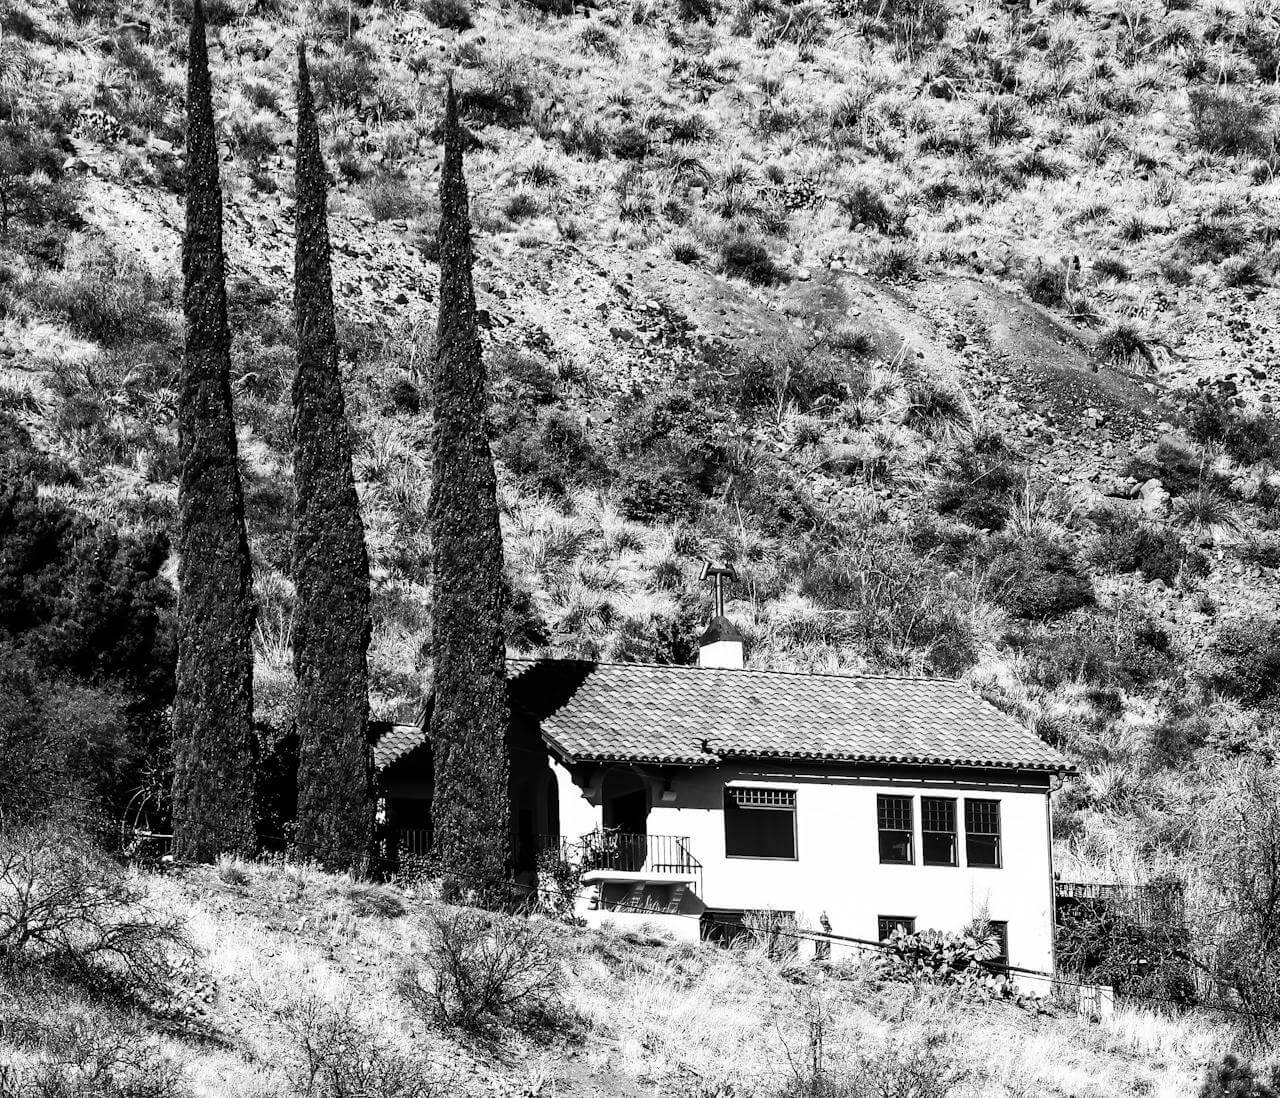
<point x="299" y="988"/>
<point x="952" y="327"/>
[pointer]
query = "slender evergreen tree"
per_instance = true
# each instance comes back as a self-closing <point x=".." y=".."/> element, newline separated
<point x="330" y="564"/>
<point x="471" y="809"/>
<point x="213" y="705"/>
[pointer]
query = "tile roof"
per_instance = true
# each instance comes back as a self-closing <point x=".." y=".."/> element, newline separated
<point x="392" y="742"/>
<point x="663" y="714"/>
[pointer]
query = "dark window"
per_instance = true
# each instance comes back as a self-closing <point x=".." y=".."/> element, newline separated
<point x="894" y="820"/>
<point x="887" y="924"/>
<point x="982" y="833"/>
<point x="999" y="930"/>
<point x="759" y="823"/>
<point x="938" y="830"/>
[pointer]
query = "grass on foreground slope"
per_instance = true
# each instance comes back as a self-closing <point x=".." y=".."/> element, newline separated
<point x="297" y="983"/>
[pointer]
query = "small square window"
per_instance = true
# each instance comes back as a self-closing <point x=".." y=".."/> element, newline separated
<point x="759" y="823"/>
<point x="887" y="924"/>
<point x="894" y="819"/>
<point x="938" y="830"/>
<point x="982" y="833"/>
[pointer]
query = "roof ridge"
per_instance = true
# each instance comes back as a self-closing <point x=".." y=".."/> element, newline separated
<point x="739" y="670"/>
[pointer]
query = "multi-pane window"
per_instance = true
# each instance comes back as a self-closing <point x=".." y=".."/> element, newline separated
<point x="982" y="832"/>
<point x="887" y="924"/>
<point x="759" y="822"/>
<point x="938" y="830"/>
<point x="893" y="817"/>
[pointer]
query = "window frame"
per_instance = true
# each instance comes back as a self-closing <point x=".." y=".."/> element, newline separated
<point x="907" y="922"/>
<point x="997" y="834"/>
<point x="909" y="830"/>
<point x="775" y="792"/>
<point x="926" y="831"/>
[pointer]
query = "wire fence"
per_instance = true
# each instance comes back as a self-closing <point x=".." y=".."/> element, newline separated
<point x="94" y="818"/>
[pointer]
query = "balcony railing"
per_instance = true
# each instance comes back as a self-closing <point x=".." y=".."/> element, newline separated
<point x="633" y="853"/>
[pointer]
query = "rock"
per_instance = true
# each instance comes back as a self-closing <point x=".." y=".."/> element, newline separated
<point x="1154" y="497"/>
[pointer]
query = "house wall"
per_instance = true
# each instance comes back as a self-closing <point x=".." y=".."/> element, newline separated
<point x="837" y="869"/>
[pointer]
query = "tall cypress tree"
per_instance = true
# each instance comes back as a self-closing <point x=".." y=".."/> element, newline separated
<point x="330" y="563"/>
<point x="471" y="809"/>
<point x="213" y="706"/>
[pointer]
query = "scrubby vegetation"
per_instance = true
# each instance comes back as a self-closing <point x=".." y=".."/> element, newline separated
<point x="715" y="248"/>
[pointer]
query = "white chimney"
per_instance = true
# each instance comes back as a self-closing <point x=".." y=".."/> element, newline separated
<point x="720" y="645"/>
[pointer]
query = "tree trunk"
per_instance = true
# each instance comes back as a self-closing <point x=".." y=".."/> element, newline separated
<point x="213" y="706"/>
<point x="330" y="564"/>
<point x="471" y="810"/>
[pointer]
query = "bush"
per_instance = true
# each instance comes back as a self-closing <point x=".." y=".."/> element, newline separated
<point x="483" y="969"/>
<point x="865" y="205"/>
<point x="1236" y="1078"/>
<point x="942" y="957"/>
<point x="108" y="296"/>
<point x="1127" y="544"/>
<point x="1120" y="343"/>
<point x="900" y="609"/>
<point x="1037" y="578"/>
<point x="1245" y="660"/>
<point x="1172" y="462"/>
<point x="894" y="263"/>
<point x="334" y="1054"/>
<point x="557" y="452"/>
<point x="656" y="494"/>
<point x="65" y="906"/>
<point x="1248" y="438"/>
<point x="1114" y="649"/>
<point x="390" y="196"/>
<point x="451" y="14"/>
<point x="749" y="259"/>
<point x="1229" y="122"/>
<point x="978" y="483"/>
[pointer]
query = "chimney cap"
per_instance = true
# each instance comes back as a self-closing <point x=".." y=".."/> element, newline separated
<point x="718" y="629"/>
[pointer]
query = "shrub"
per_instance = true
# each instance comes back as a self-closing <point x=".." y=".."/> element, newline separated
<point x="900" y="609"/>
<point x="1228" y="122"/>
<point x="1127" y="544"/>
<point x="1236" y="1078"/>
<point x="1120" y="649"/>
<point x="66" y="906"/>
<point x="334" y="1054"/>
<point x="940" y="956"/>
<point x="1245" y="661"/>
<point x="482" y="969"/>
<point x="1172" y="462"/>
<point x="1047" y="285"/>
<point x="559" y="884"/>
<point x="1121" y="343"/>
<point x="1247" y="437"/>
<point x="558" y="452"/>
<point x="866" y="205"/>
<point x="1037" y="578"/>
<point x="749" y="259"/>
<point x="450" y="14"/>
<point x="656" y="494"/>
<point x="978" y="483"/>
<point x="109" y="296"/>
<point x="894" y="263"/>
<point x="390" y="197"/>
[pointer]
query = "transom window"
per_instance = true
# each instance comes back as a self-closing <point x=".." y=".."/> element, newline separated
<point x="894" y="818"/>
<point x="982" y="833"/>
<point x="759" y="822"/>
<point x="887" y="924"/>
<point x="938" y="830"/>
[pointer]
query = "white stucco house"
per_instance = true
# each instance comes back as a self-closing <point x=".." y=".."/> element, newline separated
<point x="697" y="796"/>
